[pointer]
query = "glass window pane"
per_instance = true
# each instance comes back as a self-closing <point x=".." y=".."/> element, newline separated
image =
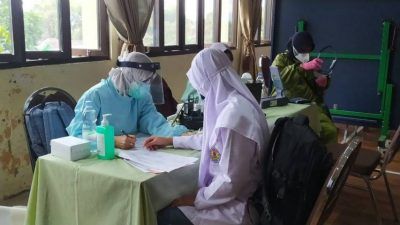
<point x="191" y="21"/>
<point x="6" y="41"/>
<point x="41" y="25"/>
<point x="84" y="24"/>
<point x="263" y="19"/>
<point x="149" y="38"/>
<point x="209" y="21"/>
<point x="227" y="21"/>
<point x="170" y="22"/>
<point x="268" y="19"/>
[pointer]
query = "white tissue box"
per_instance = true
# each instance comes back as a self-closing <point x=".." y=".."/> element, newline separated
<point x="70" y="148"/>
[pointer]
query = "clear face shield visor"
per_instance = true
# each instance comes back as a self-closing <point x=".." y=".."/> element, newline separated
<point x="152" y="85"/>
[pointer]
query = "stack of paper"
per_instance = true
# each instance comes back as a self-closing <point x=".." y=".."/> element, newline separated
<point x="153" y="161"/>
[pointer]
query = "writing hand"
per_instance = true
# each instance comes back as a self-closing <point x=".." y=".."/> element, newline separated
<point x="125" y="142"/>
<point x="154" y="143"/>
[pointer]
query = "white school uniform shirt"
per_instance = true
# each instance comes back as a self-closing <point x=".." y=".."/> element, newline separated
<point x="234" y="133"/>
<point x="235" y="177"/>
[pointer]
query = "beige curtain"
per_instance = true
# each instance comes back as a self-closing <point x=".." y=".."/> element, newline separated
<point x="130" y="18"/>
<point x="250" y="18"/>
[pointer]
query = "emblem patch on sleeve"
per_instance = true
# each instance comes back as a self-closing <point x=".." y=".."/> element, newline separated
<point x="215" y="156"/>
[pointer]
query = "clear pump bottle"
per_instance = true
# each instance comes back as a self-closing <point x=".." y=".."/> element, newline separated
<point x="89" y="125"/>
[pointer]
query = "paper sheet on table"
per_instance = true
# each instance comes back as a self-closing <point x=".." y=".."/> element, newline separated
<point x="153" y="161"/>
<point x="141" y="167"/>
<point x="140" y="138"/>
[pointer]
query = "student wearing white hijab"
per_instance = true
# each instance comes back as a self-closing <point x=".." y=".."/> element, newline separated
<point x="224" y="48"/>
<point x="190" y="92"/>
<point x="234" y="134"/>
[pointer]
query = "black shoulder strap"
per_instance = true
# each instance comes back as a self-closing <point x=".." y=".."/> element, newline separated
<point x="268" y="164"/>
<point x="274" y="136"/>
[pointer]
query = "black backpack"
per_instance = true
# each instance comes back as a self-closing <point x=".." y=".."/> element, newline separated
<point x="296" y="165"/>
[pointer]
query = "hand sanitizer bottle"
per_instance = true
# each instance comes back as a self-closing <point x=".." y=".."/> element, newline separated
<point x="105" y="139"/>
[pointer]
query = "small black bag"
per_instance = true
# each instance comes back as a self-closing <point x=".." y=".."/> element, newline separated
<point x="296" y="165"/>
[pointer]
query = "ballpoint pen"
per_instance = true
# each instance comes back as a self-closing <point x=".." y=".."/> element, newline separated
<point x="128" y="136"/>
<point x="124" y="133"/>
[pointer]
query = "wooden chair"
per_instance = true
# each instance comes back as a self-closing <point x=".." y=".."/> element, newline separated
<point x="334" y="183"/>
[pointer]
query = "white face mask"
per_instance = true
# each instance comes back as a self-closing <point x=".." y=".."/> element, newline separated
<point x="302" y="57"/>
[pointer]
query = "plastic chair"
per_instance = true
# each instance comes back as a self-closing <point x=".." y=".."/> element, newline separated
<point x="334" y="183"/>
<point x="38" y="99"/>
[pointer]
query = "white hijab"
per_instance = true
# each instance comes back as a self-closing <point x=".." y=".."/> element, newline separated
<point x="220" y="46"/>
<point x="123" y="77"/>
<point x="228" y="104"/>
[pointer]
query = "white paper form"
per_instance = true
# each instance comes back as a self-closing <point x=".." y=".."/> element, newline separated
<point x="140" y="138"/>
<point x="153" y="161"/>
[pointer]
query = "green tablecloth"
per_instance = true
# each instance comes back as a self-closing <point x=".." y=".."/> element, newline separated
<point x="290" y="110"/>
<point x="97" y="192"/>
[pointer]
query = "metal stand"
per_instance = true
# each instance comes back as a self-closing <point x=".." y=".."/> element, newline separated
<point x="385" y="90"/>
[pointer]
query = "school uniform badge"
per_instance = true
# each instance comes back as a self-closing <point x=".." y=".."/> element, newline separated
<point x="215" y="156"/>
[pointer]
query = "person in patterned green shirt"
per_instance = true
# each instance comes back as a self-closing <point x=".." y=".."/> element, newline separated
<point x="300" y="80"/>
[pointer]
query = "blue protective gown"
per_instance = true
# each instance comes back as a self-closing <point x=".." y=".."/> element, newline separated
<point x="128" y="114"/>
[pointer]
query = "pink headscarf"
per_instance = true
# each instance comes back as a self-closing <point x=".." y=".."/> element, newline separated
<point x="228" y="104"/>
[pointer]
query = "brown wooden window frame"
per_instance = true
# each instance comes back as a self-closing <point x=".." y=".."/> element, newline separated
<point x="22" y="57"/>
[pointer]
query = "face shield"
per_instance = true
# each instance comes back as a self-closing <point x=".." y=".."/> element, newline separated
<point x="152" y="84"/>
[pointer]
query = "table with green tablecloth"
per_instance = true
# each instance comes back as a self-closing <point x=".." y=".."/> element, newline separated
<point x="101" y="192"/>
<point x="291" y="110"/>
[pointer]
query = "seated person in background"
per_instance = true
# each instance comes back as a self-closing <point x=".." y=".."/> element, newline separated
<point x="189" y="90"/>
<point x="235" y="132"/>
<point x="297" y="74"/>
<point x="125" y="94"/>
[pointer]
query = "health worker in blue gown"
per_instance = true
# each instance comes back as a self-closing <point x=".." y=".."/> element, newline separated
<point x="129" y="94"/>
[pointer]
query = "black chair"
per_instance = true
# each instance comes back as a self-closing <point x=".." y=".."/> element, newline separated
<point x="334" y="183"/>
<point x="370" y="165"/>
<point x="169" y="106"/>
<point x="41" y="97"/>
